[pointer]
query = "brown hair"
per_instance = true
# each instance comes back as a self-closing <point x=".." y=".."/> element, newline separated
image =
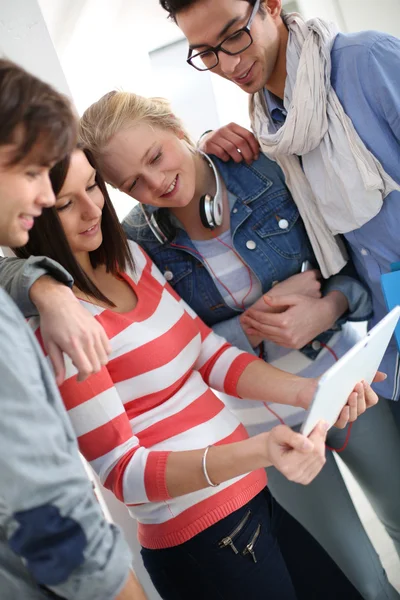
<point x="119" y="110"/>
<point x="43" y="116"/>
<point x="47" y="238"/>
<point x="173" y="7"/>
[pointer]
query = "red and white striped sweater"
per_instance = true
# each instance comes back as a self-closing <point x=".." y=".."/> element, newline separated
<point x="154" y="397"/>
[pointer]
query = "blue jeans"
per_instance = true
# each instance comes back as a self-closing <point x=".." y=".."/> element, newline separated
<point x="271" y="556"/>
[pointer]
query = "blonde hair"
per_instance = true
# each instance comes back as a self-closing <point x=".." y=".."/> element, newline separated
<point x="116" y="111"/>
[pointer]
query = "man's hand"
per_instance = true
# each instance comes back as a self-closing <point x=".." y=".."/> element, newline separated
<point x="298" y="458"/>
<point x="296" y="319"/>
<point x="305" y="284"/>
<point x="68" y="327"/>
<point x="231" y="141"/>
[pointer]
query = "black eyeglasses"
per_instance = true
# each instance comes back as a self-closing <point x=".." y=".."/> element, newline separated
<point x="234" y="44"/>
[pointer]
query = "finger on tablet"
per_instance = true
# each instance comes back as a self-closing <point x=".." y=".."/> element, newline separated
<point x="379" y="377"/>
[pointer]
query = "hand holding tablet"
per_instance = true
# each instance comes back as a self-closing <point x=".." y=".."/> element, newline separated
<point x="359" y="364"/>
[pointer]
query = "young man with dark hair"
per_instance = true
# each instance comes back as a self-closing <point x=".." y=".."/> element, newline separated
<point x="54" y="540"/>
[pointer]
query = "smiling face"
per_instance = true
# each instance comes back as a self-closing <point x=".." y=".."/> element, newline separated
<point x="153" y="165"/>
<point x="25" y="190"/>
<point x="79" y="205"/>
<point x="207" y="23"/>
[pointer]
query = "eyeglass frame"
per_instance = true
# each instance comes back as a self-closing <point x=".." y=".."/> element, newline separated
<point x="217" y="49"/>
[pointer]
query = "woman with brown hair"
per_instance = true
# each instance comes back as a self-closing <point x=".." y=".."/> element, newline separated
<point x="158" y="436"/>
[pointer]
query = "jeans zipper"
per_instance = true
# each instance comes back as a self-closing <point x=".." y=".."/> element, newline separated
<point x="228" y="540"/>
<point x="250" y="546"/>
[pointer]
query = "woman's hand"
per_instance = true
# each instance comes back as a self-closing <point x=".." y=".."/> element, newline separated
<point x="359" y="401"/>
<point x="361" y="398"/>
<point x="231" y="142"/>
<point x="297" y="457"/>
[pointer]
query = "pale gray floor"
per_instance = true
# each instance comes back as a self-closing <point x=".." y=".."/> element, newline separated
<point x="380" y="539"/>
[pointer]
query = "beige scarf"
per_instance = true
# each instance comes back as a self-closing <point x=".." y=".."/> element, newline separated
<point x="340" y="185"/>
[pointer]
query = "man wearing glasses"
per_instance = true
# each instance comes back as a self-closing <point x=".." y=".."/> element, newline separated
<point x="206" y="58"/>
<point x="326" y="107"/>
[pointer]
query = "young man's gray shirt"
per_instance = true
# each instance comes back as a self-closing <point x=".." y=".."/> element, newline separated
<point x="52" y="531"/>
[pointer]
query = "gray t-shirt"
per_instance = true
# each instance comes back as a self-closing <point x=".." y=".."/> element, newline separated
<point x="52" y="531"/>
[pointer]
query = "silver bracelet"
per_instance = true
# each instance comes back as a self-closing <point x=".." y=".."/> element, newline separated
<point x="204" y="462"/>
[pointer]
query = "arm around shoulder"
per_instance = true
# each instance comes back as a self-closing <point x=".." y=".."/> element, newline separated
<point x="18" y="275"/>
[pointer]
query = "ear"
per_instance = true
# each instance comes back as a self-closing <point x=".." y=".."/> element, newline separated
<point x="180" y="134"/>
<point x="273" y="7"/>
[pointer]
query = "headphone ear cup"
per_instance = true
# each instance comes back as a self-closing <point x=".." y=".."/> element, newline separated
<point x="202" y="211"/>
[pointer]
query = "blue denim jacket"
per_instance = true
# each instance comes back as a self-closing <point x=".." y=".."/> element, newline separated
<point x="262" y="200"/>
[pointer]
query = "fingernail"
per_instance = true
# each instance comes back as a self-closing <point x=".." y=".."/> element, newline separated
<point x="325" y="425"/>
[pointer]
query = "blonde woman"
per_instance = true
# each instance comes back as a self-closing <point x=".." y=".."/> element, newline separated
<point x="256" y="245"/>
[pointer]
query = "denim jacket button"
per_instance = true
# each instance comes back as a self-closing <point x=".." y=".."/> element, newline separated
<point x="235" y="210"/>
<point x="251" y="245"/>
<point x="283" y="224"/>
<point x="168" y="275"/>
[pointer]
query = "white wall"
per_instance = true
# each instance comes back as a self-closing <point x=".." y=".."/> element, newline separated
<point x="24" y="38"/>
<point x="100" y="45"/>
<point x="370" y="14"/>
<point x="356" y="15"/>
<point x="325" y="9"/>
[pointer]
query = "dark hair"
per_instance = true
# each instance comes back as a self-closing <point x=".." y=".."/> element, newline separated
<point x="173" y="7"/>
<point x="34" y="116"/>
<point x="47" y="237"/>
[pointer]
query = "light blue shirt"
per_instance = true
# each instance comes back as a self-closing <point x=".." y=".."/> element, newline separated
<point x="366" y="78"/>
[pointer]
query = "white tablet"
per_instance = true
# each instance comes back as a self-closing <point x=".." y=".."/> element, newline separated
<point x="360" y="362"/>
